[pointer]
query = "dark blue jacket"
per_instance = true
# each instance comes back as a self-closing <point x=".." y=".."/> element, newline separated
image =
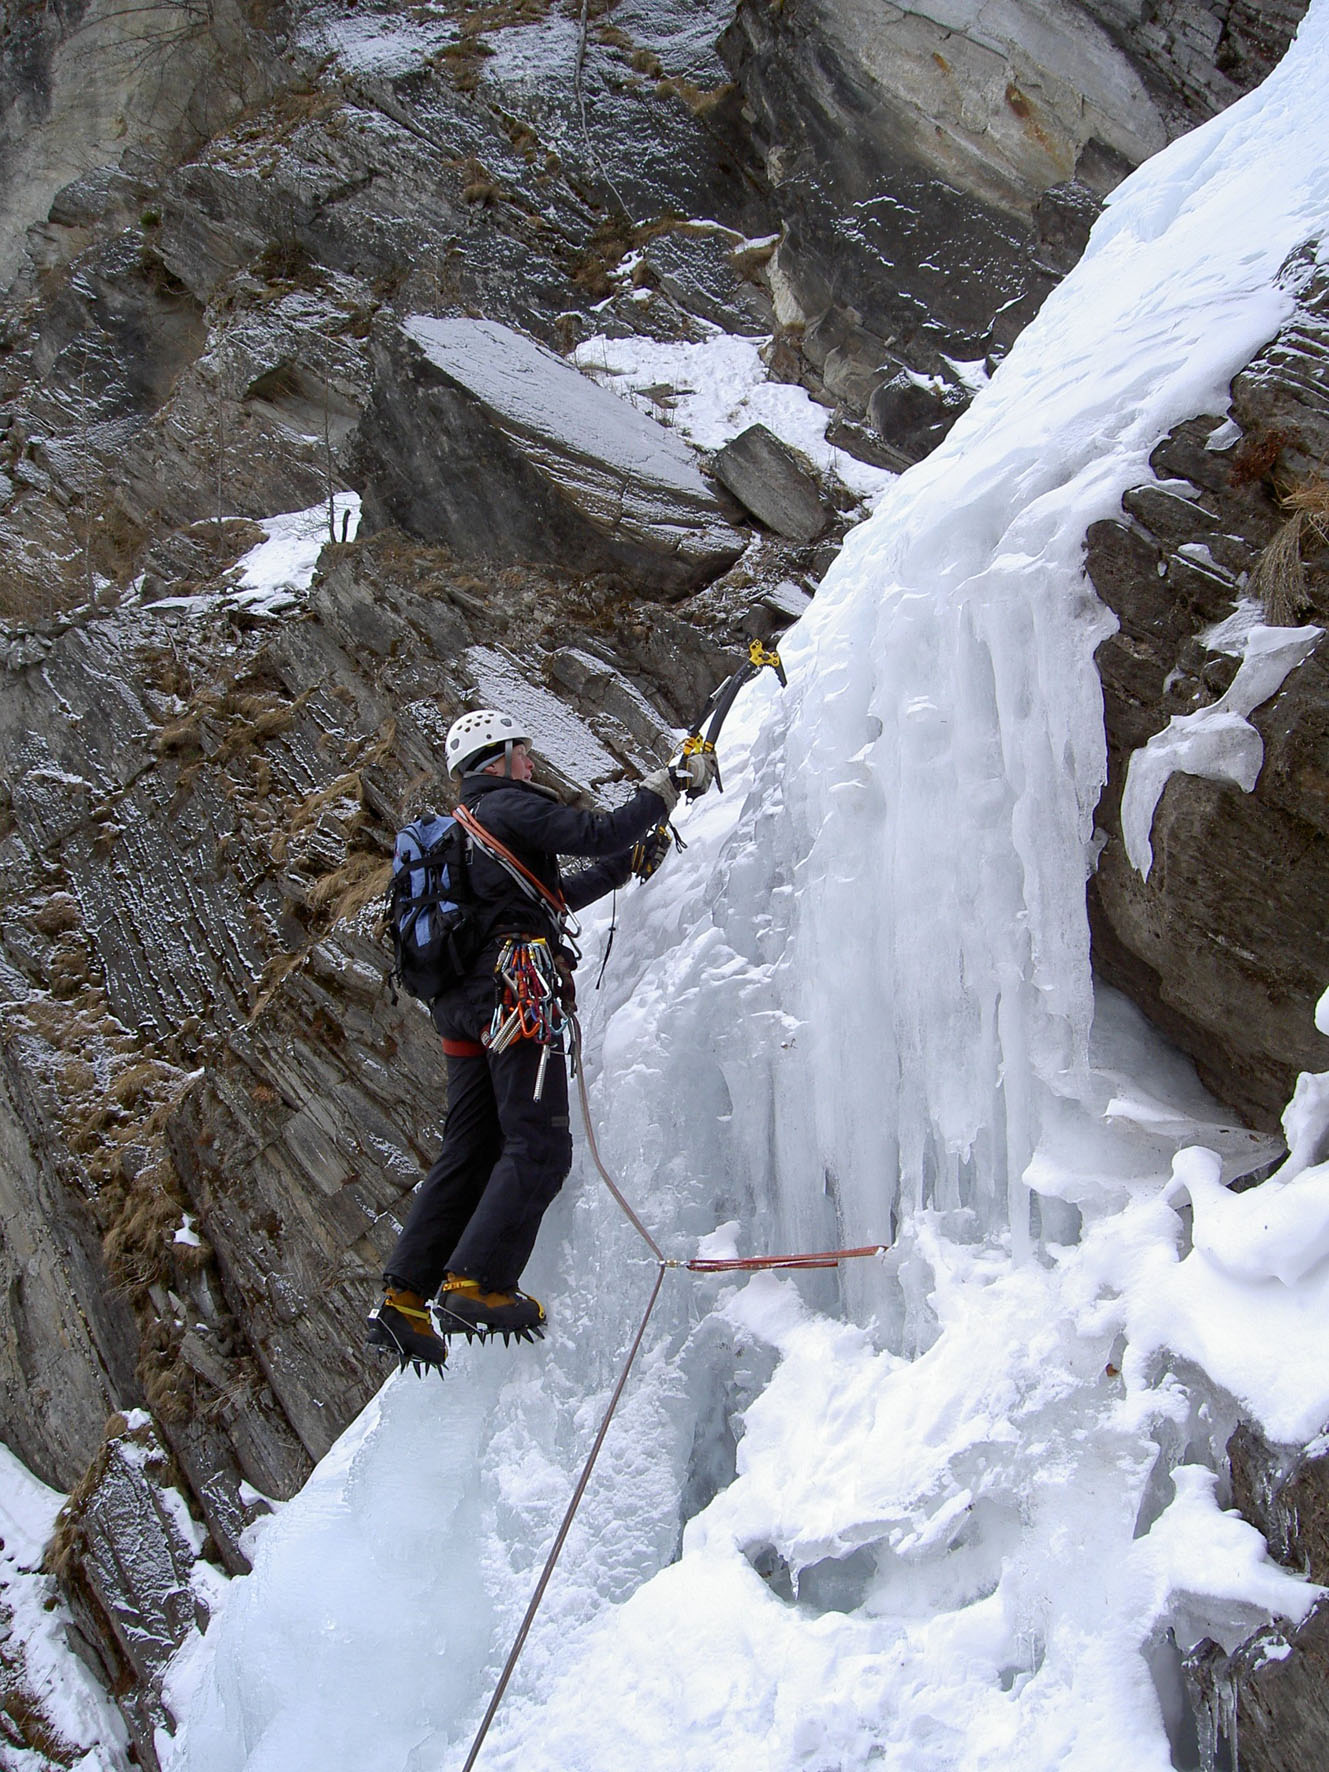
<point x="537" y="827"/>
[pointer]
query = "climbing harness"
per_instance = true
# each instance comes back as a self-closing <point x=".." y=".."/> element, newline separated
<point x="529" y="1005"/>
<point x="823" y="1258"/>
<point x="705" y="731"/>
<point x="529" y="1002"/>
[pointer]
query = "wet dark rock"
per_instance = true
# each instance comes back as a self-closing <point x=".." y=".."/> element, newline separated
<point x="774" y="482"/>
<point x="1064" y="215"/>
<point x="913" y="413"/>
<point x="700" y="273"/>
<point x="1268" y="1701"/>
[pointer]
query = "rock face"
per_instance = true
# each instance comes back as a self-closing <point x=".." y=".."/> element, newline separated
<point x="935" y="168"/>
<point x="1269" y="1700"/>
<point x="82" y="85"/>
<point x="767" y="478"/>
<point x="481" y="439"/>
<point x="130" y="1555"/>
<point x="211" y="1114"/>
<point x="1224" y="943"/>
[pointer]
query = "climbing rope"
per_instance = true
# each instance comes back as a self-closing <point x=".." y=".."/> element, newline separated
<point x="540" y="1586"/>
<point x="699" y="1265"/>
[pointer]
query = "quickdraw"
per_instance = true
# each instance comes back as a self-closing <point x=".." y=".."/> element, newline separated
<point x="529" y="1005"/>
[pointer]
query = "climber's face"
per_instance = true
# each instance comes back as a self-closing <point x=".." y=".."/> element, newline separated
<point x="522" y="766"/>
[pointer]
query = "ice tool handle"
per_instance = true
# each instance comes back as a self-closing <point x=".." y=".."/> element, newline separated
<point x="713" y="716"/>
<point x="707" y="729"/>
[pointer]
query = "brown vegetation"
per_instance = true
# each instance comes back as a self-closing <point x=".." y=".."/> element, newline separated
<point x="1281" y="579"/>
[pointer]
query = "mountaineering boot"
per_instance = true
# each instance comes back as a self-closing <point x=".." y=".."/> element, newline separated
<point x="465" y="1309"/>
<point x="401" y="1324"/>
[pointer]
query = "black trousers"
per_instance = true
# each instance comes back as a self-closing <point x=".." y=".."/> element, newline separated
<point x="505" y="1156"/>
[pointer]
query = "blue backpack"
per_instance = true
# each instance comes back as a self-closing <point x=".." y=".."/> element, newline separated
<point x="430" y="907"/>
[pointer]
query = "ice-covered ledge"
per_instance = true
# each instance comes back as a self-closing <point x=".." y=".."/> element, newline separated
<point x="1217" y="742"/>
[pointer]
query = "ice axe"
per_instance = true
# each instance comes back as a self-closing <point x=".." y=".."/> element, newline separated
<point x="651" y="851"/>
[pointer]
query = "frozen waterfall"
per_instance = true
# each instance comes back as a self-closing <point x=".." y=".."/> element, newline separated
<point x="956" y="1510"/>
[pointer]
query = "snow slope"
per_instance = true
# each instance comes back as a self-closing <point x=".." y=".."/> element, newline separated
<point x="956" y="1509"/>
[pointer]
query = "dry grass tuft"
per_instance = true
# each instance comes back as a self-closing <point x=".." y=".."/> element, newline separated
<point x="348" y="889"/>
<point x="701" y="101"/>
<point x="1254" y="457"/>
<point x="58" y="916"/>
<point x="1280" y="579"/>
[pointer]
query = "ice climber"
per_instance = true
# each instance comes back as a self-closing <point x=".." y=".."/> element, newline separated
<point x="507" y="1147"/>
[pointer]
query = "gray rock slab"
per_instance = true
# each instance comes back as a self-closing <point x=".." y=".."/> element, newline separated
<point x="774" y="482"/>
<point x="479" y="438"/>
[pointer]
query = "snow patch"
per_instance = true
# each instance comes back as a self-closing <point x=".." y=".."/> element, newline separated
<point x="272" y="578"/>
<point x="712" y="390"/>
<point x="68" y="1698"/>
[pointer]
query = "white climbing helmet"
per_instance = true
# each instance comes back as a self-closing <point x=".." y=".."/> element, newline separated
<point x="474" y="734"/>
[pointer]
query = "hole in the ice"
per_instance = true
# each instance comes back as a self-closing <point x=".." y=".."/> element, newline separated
<point x="1029" y="1651"/>
<point x="837" y="1584"/>
<point x="724" y="1380"/>
<point x="713" y="1464"/>
<point x="1054" y="1221"/>
<point x="1166" y="1669"/>
<point x="773" y="1569"/>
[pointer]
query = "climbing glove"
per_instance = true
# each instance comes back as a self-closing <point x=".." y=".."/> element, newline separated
<point x="661" y="781"/>
<point x="694" y="772"/>
<point x="650" y="852"/>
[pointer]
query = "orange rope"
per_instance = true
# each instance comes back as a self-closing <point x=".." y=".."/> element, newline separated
<point x="487" y="840"/>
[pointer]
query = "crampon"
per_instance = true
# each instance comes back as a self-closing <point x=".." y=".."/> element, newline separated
<point x="402" y="1325"/>
<point x="464" y="1309"/>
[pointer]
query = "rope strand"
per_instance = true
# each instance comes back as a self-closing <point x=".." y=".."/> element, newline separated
<point x="699" y="1265"/>
<point x="563" y="1531"/>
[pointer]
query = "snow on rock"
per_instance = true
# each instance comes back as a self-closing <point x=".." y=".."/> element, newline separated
<point x="714" y="389"/>
<point x="376" y="43"/>
<point x="274" y="575"/>
<point x="941" y="1510"/>
<point x="532" y="391"/>
<point x="41" y="1671"/>
<point x="564" y="741"/>
<point x="1218" y="741"/>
